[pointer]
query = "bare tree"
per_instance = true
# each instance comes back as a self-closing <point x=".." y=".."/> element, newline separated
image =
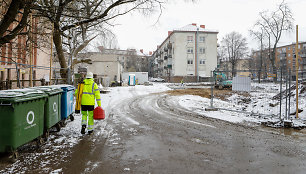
<point x="274" y="23"/>
<point x="259" y="35"/>
<point x="107" y="39"/>
<point x="11" y="10"/>
<point x="68" y="14"/>
<point x="235" y="46"/>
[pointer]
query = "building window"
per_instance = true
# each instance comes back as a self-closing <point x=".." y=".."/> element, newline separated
<point x="299" y="47"/>
<point x="202" y="61"/>
<point x="289" y="47"/>
<point x="189" y="62"/>
<point x="202" y="50"/>
<point x="202" y="39"/>
<point x="284" y="49"/>
<point x="189" y="38"/>
<point x="289" y="54"/>
<point x="190" y="50"/>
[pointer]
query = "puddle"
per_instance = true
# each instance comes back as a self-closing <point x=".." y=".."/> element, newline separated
<point x="300" y="134"/>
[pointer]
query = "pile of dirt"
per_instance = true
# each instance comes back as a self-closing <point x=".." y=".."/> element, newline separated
<point x="203" y="92"/>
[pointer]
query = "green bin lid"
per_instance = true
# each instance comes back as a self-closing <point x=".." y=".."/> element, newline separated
<point x="20" y="95"/>
<point x="49" y="89"/>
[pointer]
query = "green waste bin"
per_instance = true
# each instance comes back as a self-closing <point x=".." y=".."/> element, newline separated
<point x="21" y="117"/>
<point x="52" y="106"/>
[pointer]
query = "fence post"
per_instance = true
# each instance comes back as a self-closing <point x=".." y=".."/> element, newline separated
<point x="280" y="94"/>
<point x="23" y="78"/>
<point x="34" y="77"/>
<point x="2" y="80"/>
<point x="211" y="107"/>
<point x="289" y="92"/>
<point x="42" y="82"/>
<point x="18" y="78"/>
<point x="286" y="113"/>
<point x="8" y="80"/>
<point x="212" y="89"/>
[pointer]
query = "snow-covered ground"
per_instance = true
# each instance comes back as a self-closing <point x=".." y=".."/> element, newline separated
<point x="257" y="106"/>
<point x="253" y="108"/>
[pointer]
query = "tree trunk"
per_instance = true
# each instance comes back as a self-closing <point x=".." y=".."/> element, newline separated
<point x="60" y="53"/>
<point x="273" y="65"/>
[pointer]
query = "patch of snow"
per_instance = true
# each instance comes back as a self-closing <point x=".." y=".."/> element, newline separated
<point x="126" y="169"/>
<point x="56" y="171"/>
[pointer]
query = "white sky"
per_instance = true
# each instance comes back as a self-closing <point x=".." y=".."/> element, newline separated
<point x="137" y="31"/>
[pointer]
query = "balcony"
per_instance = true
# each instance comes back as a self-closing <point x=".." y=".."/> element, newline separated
<point x="304" y="61"/>
<point x="169" y="62"/>
<point x="302" y="55"/>
<point x="169" y="45"/>
<point x="165" y="49"/>
<point x="282" y="56"/>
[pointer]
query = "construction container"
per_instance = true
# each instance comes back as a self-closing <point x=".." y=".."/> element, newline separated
<point x="67" y="101"/>
<point x="132" y="80"/>
<point x="21" y="118"/>
<point x="52" y="106"/>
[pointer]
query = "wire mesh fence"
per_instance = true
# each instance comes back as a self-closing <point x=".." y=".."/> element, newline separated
<point x="272" y="96"/>
<point x="19" y="75"/>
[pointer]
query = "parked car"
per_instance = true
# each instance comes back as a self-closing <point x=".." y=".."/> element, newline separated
<point x="158" y="79"/>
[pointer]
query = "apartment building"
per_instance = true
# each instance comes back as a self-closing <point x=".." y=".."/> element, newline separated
<point x="286" y="57"/>
<point x="188" y="53"/>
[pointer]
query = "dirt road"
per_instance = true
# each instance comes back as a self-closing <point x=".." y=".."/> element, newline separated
<point x="153" y="134"/>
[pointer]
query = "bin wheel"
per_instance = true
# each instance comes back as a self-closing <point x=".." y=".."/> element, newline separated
<point x="47" y="134"/>
<point x="14" y="156"/>
<point x="63" y="123"/>
<point x="58" y="127"/>
<point x="71" y="117"/>
<point x="39" y="142"/>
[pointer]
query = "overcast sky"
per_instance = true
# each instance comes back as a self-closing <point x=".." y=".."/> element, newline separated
<point x="137" y="31"/>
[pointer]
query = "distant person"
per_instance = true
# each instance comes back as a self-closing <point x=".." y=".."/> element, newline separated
<point x="90" y="94"/>
<point x="182" y="82"/>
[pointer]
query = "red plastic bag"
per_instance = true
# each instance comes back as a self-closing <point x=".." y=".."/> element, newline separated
<point x="99" y="113"/>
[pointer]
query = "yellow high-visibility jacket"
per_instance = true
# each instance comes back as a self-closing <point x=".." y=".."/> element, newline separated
<point x="90" y="93"/>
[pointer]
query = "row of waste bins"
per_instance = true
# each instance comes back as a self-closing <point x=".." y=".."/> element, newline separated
<point x="28" y="114"/>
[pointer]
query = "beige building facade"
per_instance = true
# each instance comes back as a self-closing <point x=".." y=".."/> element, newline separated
<point x="189" y="52"/>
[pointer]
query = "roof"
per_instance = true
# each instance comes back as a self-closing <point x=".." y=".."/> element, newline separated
<point x="188" y="28"/>
<point x="194" y="28"/>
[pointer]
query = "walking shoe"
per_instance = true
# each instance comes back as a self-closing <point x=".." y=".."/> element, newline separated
<point x="83" y="129"/>
<point x="90" y="132"/>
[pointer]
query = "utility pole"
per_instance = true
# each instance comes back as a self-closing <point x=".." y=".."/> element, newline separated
<point x="197" y="55"/>
<point x="51" y="55"/>
<point x="31" y="50"/>
<point x="297" y="71"/>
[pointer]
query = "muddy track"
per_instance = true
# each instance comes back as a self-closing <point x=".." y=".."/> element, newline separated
<point x="154" y="134"/>
<point x="165" y="138"/>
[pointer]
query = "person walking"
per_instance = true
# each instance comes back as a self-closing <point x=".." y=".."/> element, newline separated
<point x="90" y="93"/>
<point x="182" y="82"/>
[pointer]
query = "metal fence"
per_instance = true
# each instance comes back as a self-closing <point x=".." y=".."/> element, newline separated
<point x="273" y="95"/>
<point x="12" y="75"/>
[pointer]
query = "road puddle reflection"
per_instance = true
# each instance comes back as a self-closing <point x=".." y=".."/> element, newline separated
<point x="300" y="134"/>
